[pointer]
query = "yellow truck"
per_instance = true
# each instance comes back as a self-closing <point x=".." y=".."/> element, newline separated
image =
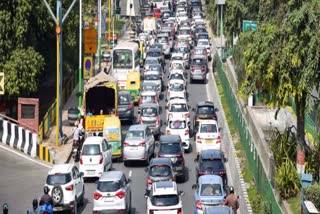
<point x="100" y="100"/>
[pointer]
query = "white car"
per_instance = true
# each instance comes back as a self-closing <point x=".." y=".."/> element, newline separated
<point x="164" y="198"/>
<point x="176" y="75"/>
<point x="66" y="187"/>
<point x="178" y="125"/>
<point x="176" y="56"/>
<point x="95" y="157"/>
<point x="204" y="43"/>
<point x="208" y="136"/>
<point x="153" y="77"/>
<point x="176" y="88"/>
<point x="113" y="193"/>
<point x="179" y="107"/>
<point x="177" y="65"/>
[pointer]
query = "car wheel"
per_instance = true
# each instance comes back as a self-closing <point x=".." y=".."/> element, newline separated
<point x="57" y="194"/>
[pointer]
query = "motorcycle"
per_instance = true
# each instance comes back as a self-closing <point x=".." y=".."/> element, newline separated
<point x="77" y="145"/>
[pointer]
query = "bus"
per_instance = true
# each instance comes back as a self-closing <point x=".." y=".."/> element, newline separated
<point x="125" y="59"/>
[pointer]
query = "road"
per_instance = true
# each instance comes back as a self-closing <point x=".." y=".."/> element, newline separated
<point x="22" y="179"/>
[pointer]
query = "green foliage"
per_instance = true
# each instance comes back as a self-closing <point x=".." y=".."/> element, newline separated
<point x="283" y="146"/>
<point x="312" y="193"/>
<point x="288" y="182"/>
<point x="259" y="205"/>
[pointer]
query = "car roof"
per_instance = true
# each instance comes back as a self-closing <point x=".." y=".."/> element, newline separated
<point x="170" y="139"/>
<point x="151" y="72"/>
<point x="157" y="161"/>
<point x="111" y="176"/>
<point x="148" y="93"/>
<point x="93" y="140"/>
<point x="205" y="103"/>
<point x="210" y="179"/>
<point x="164" y="188"/>
<point x="60" y="168"/>
<point x="149" y="105"/>
<point x="139" y="127"/>
<point x="154" y="49"/>
<point x="211" y="153"/>
<point x="178" y="101"/>
<point x="149" y="83"/>
<point x="208" y="122"/>
<point x="124" y="92"/>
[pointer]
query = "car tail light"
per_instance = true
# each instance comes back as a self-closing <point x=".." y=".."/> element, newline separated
<point x="168" y="132"/>
<point x="97" y="195"/>
<point x="121" y="194"/>
<point x="218" y="139"/>
<point x="101" y="158"/>
<point x="202" y="172"/>
<point x="81" y="161"/>
<point x="144" y="68"/>
<point x="198" y="139"/>
<point x="184" y="93"/>
<point x="222" y="172"/>
<point x="168" y="93"/>
<point x="151" y="212"/>
<point x="187" y="115"/>
<point x="69" y="188"/>
<point x="129" y="106"/>
<point x="155" y="99"/>
<point x="140" y="120"/>
<point x="179" y="211"/>
<point x="202" y="68"/>
<point x="125" y="144"/>
<point x="192" y="68"/>
<point x="149" y="181"/>
<point x="142" y="143"/>
<point x="198" y="205"/>
<point x="186" y="132"/>
<point x="158" y="120"/>
<point x="171" y="178"/>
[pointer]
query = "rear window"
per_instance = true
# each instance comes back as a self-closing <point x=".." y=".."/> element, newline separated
<point x="208" y="128"/>
<point x="204" y="36"/>
<point x="156" y="10"/>
<point x="124" y="99"/>
<point x="178" y="108"/>
<point x="154" y="54"/>
<point x="135" y="134"/>
<point x="108" y="186"/>
<point x="152" y="77"/>
<point x="165" y="200"/>
<point x="149" y="112"/>
<point x="148" y="99"/>
<point x="210" y="190"/>
<point x="177" y="124"/>
<point x="170" y="148"/>
<point x="58" y="179"/>
<point x="160" y="170"/>
<point x="206" y="110"/>
<point x="176" y="87"/>
<point x="198" y="61"/>
<point x="214" y="164"/>
<point x="93" y="149"/>
<point x="149" y="88"/>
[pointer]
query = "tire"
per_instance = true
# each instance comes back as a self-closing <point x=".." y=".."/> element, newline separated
<point x="57" y="194"/>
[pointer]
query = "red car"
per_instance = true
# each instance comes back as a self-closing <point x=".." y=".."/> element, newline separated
<point x="157" y="12"/>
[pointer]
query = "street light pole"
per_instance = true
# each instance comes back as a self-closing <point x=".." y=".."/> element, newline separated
<point x="80" y="56"/>
<point x="99" y="34"/>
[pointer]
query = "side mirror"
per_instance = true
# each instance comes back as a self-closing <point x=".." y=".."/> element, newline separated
<point x="194" y="186"/>
<point x="181" y="193"/>
<point x="81" y="174"/>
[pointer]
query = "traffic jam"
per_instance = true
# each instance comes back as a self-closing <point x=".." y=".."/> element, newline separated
<point x="148" y="120"/>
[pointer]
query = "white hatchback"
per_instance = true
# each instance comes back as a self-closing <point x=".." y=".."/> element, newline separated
<point x="179" y="107"/>
<point x="179" y="126"/>
<point x="164" y="198"/>
<point x="208" y="136"/>
<point x="95" y="157"/>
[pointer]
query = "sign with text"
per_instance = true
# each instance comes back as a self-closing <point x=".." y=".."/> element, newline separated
<point x="249" y="25"/>
<point x="90" y="40"/>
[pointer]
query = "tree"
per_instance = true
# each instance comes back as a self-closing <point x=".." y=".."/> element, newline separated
<point x="283" y="59"/>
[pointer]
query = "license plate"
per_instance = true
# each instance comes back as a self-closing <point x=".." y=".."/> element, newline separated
<point x="122" y="109"/>
<point x="90" y="172"/>
<point x="108" y="199"/>
<point x="208" y="141"/>
<point x="133" y="148"/>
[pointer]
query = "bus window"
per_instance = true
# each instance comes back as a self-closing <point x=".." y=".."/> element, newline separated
<point x="122" y="59"/>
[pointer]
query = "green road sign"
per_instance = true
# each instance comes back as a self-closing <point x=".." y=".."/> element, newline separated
<point x="249" y="25"/>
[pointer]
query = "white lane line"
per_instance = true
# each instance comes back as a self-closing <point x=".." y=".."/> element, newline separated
<point x="23" y="156"/>
<point x="130" y="173"/>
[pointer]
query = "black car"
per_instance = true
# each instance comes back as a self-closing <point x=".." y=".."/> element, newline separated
<point x="159" y="169"/>
<point x="125" y="106"/>
<point x="170" y="146"/>
<point x="204" y="110"/>
<point x="211" y="161"/>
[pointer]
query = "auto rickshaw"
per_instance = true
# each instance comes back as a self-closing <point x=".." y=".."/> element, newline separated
<point x="133" y="85"/>
<point x="112" y="132"/>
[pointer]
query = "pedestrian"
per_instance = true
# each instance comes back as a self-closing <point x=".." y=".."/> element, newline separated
<point x="151" y="7"/>
<point x="169" y="5"/>
<point x="232" y="201"/>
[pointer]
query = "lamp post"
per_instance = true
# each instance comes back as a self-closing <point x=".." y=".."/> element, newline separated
<point x="80" y="56"/>
<point x="99" y="34"/>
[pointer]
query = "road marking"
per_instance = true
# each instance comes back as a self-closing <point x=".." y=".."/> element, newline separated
<point x="23" y="156"/>
<point x="130" y="173"/>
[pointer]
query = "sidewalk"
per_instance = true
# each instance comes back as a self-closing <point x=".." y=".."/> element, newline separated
<point x="61" y="153"/>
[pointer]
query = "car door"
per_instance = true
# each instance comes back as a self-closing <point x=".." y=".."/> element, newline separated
<point x="77" y="182"/>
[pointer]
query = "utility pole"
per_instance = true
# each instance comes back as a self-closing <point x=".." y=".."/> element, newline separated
<point x="59" y="22"/>
<point x="109" y="21"/>
<point x="80" y="56"/>
<point x="99" y="35"/>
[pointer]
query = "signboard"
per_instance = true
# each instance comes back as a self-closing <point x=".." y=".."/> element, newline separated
<point x="246" y="25"/>
<point x="87" y="65"/>
<point x="219" y="2"/>
<point x="90" y="40"/>
<point x="1" y="83"/>
<point x="28" y="112"/>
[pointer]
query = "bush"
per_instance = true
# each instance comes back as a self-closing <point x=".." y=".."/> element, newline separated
<point x="259" y="205"/>
<point x="312" y="193"/>
<point x="287" y="180"/>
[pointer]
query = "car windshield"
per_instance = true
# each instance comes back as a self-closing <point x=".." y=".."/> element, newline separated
<point x="108" y="186"/>
<point x="208" y="128"/>
<point x="206" y="110"/>
<point x="148" y="88"/>
<point x="177" y="124"/>
<point x="124" y="99"/>
<point x="148" y="99"/>
<point x="210" y="190"/>
<point x="151" y="61"/>
<point x="154" y="54"/>
<point x="91" y="149"/>
<point x="170" y="148"/>
<point x="160" y="170"/>
<point x="165" y="200"/>
<point x="154" y="68"/>
<point x="198" y="52"/>
<point x="176" y="58"/>
<point x="177" y="66"/>
<point x="198" y="61"/>
<point x="213" y="164"/>
<point x="203" y="43"/>
<point x="149" y="112"/>
<point x="135" y="134"/>
<point x="176" y="87"/>
<point x="58" y="179"/>
<point x="203" y="36"/>
<point x="178" y="108"/>
<point x="151" y="76"/>
<point x="176" y="76"/>
<point x="156" y="10"/>
<point x="122" y="59"/>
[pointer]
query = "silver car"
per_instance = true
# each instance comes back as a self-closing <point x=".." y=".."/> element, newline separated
<point x="113" y="193"/>
<point x="153" y="77"/>
<point x="149" y="62"/>
<point x="164" y="41"/>
<point x="138" y="144"/>
<point x="149" y="86"/>
<point x="150" y="116"/>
